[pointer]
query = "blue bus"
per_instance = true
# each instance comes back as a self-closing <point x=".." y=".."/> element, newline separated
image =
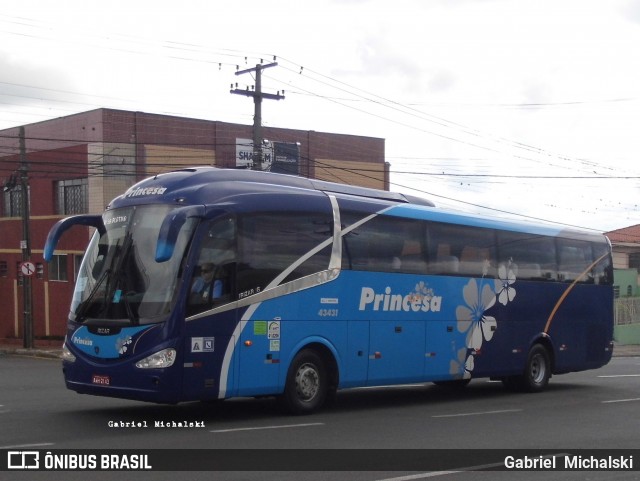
<point x="208" y="283"/>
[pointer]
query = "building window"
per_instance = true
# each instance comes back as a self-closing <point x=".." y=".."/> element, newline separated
<point x="12" y="205"/>
<point x="629" y="291"/>
<point x="58" y="268"/>
<point x="39" y="270"/>
<point x="616" y="292"/>
<point x="634" y="260"/>
<point x="71" y="196"/>
<point x="19" y="274"/>
<point x="4" y="270"/>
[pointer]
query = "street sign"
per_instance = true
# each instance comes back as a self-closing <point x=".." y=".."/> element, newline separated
<point x="27" y="268"/>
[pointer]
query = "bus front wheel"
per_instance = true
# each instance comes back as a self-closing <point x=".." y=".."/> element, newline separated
<point x="307" y="383"/>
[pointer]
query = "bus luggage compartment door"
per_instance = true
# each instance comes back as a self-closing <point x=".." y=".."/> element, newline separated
<point x="396" y="352"/>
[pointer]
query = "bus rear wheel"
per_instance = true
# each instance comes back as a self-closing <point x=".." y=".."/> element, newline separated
<point x="537" y="372"/>
<point x="307" y="383"/>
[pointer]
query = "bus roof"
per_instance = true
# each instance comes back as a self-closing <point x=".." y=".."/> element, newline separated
<point x="490" y="222"/>
<point x="190" y="179"/>
<point x="209" y="185"/>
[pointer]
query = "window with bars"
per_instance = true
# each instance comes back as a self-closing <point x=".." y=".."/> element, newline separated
<point x="12" y="202"/>
<point x="72" y="197"/>
<point x="634" y="260"/>
<point x="19" y="274"/>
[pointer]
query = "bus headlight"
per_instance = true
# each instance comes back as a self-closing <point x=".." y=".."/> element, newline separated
<point x="160" y="359"/>
<point x="67" y="355"/>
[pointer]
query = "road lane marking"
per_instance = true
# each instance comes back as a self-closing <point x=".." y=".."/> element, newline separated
<point x="480" y="467"/>
<point x="420" y="476"/>
<point x="621" y="400"/>
<point x="435" y="474"/>
<point x="257" y="428"/>
<point x="480" y="413"/>
<point x="621" y="375"/>
<point x="20" y="446"/>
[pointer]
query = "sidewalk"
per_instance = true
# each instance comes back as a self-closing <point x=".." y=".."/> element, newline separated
<point x="53" y="349"/>
<point x="628" y="350"/>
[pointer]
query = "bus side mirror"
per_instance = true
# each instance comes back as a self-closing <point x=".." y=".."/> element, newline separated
<point x="170" y="228"/>
<point x="63" y="225"/>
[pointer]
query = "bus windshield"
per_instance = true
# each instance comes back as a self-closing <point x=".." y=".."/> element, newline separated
<point x="119" y="280"/>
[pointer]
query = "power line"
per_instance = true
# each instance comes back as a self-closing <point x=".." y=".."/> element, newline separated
<point x="197" y="53"/>
<point x="408" y="110"/>
<point x="371" y="98"/>
<point x="201" y="49"/>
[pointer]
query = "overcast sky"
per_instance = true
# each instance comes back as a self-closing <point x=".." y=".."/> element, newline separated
<point x="490" y="106"/>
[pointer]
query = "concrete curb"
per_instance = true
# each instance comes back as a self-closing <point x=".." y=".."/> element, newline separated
<point x="21" y="351"/>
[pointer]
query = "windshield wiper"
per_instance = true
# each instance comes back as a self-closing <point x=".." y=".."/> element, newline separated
<point x="84" y="305"/>
<point x="127" y="306"/>
<point x="122" y="278"/>
<point x="106" y="275"/>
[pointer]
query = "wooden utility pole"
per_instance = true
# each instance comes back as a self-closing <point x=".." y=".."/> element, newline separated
<point x="257" y="95"/>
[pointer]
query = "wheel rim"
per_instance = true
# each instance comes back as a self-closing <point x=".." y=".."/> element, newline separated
<point x="307" y="382"/>
<point x="538" y="369"/>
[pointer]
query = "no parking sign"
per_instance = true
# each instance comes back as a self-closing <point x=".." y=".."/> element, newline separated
<point x="27" y="268"/>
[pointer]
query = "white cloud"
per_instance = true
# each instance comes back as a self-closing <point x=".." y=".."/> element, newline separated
<point x="476" y="87"/>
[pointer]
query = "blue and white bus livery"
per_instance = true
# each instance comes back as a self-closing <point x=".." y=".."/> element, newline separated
<point x="207" y="284"/>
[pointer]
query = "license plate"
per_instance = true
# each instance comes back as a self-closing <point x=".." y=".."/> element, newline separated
<point x="100" y="379"/>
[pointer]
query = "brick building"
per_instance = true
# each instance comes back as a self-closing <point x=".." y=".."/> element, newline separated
<point x="77" y="164"/>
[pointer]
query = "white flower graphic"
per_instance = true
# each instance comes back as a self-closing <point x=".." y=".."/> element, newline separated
<point x="462" y="367"/>
<point x="122" y="344"/>
<point x="423" y="289"/>
<point x="503" y="288"/>
<point x="420" y="292"/>
<point x="471" y="318"/>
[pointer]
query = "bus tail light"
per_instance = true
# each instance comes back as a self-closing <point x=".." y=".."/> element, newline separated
<point x="160" y="359"/>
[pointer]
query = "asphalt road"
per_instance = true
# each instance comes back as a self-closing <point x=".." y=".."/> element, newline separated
<point x="592" y="409"/>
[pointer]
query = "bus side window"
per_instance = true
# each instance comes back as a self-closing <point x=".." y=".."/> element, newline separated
<point x="212" y="282"/>
<point x="444" y="262"/>
<point x="412" y="256"/>
<point x="603" y="270"/>
<point x="271" y="243"/>
<point x="531" y="256"/>
<point x="385" y="244"/>
<point x="462" y="250"/>
<point x="574" y="259"/>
